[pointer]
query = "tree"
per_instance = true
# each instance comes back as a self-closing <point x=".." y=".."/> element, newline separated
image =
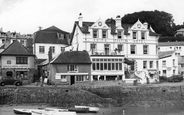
<point x="160" y="21"/>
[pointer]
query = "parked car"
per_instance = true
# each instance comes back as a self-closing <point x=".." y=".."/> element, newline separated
<point x="175" y="78"/>
<point x="10" y="81"/>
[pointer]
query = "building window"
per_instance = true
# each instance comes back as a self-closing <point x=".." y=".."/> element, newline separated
<point x="52" y="49"/>
<point x="120" y="47"/>
<point x="93" y="48"/>
<point x="21" y="60"/>
<point x="41" y="49"/>
<point x="119" y="34"/>
<point x="173" y="62"/>
<point x="144" y="64"/>
<point x="174" y="72"/>
<point x="134" y="35"/>
<point x="8" y="61"/>
<point x="72" y="68"/>
<point x="3" y="40"/>
<point x="182" y="65"/>
<point x="22" y="42"/>
<point x="63" y="78"/>
<point x="80" y="78"/>
<point x="145" y="49"/>
<point x="151" y="64"/>
<point x="62" y="49"/>
<point x="95" y="33"/>
<point x="104" y="33"/>
<point x="132" y="49"/>
<point x="143" y="35"/>
<point x="106" y="48"/>
<point x="164" y="63"/>
<point x="60" y="36"/>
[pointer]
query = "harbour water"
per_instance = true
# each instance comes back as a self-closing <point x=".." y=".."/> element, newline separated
<point x="166" y="110"/>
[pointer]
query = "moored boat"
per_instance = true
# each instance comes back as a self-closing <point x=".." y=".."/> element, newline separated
<point x="51" y="111"/>
<point x="91" y="109"/>
<point x="22" y="111"/>
<point x="79" y="110"/>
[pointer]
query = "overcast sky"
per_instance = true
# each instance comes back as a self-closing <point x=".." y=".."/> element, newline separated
<point x="25" y="16"/>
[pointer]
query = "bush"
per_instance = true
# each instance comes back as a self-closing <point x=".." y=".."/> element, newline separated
<point x="162" y="78"/>
<point x="175" y="78"/>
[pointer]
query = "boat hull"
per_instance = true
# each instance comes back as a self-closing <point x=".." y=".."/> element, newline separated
<point x="79" y="110"/>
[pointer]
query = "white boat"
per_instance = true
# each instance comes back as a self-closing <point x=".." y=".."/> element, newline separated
<point x="91" y="109"/>
<point x="25" y="111"/>
<point x="53" y="111"/>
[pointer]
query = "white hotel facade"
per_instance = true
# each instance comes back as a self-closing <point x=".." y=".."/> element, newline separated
<point x="109" y="45"/>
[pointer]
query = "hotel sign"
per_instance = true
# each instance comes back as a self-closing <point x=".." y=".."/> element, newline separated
<point x="15" y="66"/>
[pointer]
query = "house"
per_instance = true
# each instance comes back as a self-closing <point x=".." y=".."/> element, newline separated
<point x="180" y="32"/>
<point x="6" y="38"/>
<point x="50" y="37"/>
<point x="17" y="62"/>
<point x="168" y="63"/>
<point x="169" y="46"/>
<point x="108" y="45"/>
<point x="68" y="68"/>
<point x="181" y="65"/>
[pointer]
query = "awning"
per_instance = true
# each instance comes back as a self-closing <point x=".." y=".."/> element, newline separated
<point x="128" y="62"/>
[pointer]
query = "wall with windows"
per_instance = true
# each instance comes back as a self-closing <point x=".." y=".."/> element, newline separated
<point x="179" y="50"/>
<point x="70" y="68"/>
<point x="41" y="50"/>
<point x="168" y="66"/>
<point x="11" y="62"/>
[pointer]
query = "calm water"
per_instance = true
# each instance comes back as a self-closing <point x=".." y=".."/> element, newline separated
<point x="168" y="110"/>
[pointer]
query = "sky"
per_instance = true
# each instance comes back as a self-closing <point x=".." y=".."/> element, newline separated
<point x="25" y="16"/>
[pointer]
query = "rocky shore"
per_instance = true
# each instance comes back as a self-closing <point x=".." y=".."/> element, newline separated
<point x="109" y="96"/>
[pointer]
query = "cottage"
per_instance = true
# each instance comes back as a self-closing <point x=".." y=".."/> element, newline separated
<point x="69" y="68"/>
<point x="17" y="62"/>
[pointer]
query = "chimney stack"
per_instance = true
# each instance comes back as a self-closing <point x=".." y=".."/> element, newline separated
<point x="40" y="28"/>
<point x="80" y="19"/>
<point x="118" y="21"/>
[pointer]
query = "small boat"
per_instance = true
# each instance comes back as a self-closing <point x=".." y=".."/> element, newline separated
<point x="91" y="109"/>
<point x="79" y="110"/>
<point x="53" y="111"/>
<point x="24" y="111"/>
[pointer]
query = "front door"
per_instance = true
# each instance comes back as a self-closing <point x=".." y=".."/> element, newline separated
<point x="72" y="79"/>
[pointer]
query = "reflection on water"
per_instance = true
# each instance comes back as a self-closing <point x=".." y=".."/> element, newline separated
<point x="167" y="110"/>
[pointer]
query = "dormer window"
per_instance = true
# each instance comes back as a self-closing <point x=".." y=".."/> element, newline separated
<point x="60" y="36"/>
<point x="95" y="33"/>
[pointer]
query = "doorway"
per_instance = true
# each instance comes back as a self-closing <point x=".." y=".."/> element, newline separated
<point x="72" y="79"/>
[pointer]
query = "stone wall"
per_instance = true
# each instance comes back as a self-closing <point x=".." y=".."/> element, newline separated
<point x="102" y="96"/>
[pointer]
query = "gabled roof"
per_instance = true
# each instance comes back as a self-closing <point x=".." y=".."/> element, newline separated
<point x="72" y="57"/>
<point x="16" y="49"/>
<point x="165" y="54"/>
<point x="171" y="44"/>
<point x="50" y="35"/>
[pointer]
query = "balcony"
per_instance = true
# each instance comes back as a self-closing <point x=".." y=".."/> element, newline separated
<point x="106" y="53"/>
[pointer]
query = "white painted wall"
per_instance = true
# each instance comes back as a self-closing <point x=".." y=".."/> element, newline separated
<point x="47" y="46"/>
<point x="169" y="65"/>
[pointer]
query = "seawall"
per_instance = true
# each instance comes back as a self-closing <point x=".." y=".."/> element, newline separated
<point x="102" y="96"/>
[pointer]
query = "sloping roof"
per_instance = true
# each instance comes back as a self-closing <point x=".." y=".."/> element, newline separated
<point x="171" y="44"/>
<point x="50" y="35"/>
<point x="39" y="61"/>
<point x="151" y="33"/>
<point x="180" y="30"/>
<point x="72" y="57"/>
<point x="165" y="54"/>
<point x="16" y="49"/>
